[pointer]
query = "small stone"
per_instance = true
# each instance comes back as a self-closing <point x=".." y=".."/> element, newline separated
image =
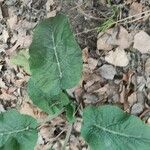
<point x="107" y="71"/>
<point x="137" y="109"/>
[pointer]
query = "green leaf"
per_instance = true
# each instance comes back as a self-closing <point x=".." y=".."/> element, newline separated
<point x="11" y="144"/>
<point x="48" y="103"/>
<point x="109" y="128"/>
<point x="21" y="59"/>
<point x="55" y="57"/>
<point x="70" y="112"/>
<point x="17" y="131"/>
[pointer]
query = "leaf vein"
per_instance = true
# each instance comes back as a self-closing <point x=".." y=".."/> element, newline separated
<point x="56" y="55"/>
<point x="13" y="132"/>
<point x="119" y="134"/>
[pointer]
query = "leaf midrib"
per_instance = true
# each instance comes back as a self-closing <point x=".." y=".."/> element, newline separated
<point x="56" y="56"/>
<point x="118" y="133"/>
<point x="14" y="132"/>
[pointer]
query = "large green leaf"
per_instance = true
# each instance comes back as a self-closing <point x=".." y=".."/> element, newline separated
<point x="55" y="57"/>
<point x="109" y="128"/>
<point x="17" y="132"/>
<point x="48" y="103"/>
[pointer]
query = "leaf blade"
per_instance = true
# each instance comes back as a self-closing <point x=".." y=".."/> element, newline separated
<point x="49" y="104"/>
<point x="17" y="130"/>
<point x="55" y="57"/>
<point x="111" y="128"/>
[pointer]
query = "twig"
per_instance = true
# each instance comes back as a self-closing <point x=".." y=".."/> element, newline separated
<point x="87" y="15"/>
<point x="67" y="136"/>
<point x="77" y="6"/>
<point x="147" y="14"/>
<point x="130" y="17"/>
<point x="145" y="112"/>
<point x="49" y="118"/>
<point x="93" y="29"/>
<point x="138" y="18"/>
<point x="55" y="138"/>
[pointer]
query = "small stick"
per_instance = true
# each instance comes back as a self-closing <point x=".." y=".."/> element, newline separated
<point x="67" y="136"/>
<point x="120" y="21"/>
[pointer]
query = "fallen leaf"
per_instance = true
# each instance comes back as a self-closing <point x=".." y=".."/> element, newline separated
<point x="147" y="67"/>
<point x="132" y="99"/>
<point x="120" y="37"/>
<point x="2" y="84"/>
<point x="28" y="109"/>
<point x="117" y="36"/>
<point x="102" y="42"/>
<point x="142" y="42"/>
<point x="135" y="8"/>
<point x="47" y="132"/>
<point x="5" y="35"/>
<point x="85" y="55"/>
<point x="1" y="17"/>
<point x="117" y="58"/>
<point x="12" y="21"/>
<point x="5" y="96"/>
<point x="92" y="63"/>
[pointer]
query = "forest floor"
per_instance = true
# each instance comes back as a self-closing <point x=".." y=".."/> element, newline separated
<point x="114" y="36"/>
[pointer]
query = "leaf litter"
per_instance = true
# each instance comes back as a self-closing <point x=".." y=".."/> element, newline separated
<point x="116" y="63"/>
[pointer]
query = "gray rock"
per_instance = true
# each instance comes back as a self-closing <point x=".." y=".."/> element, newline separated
<point x="107" y="71"/>
<point x="137" y="109"/>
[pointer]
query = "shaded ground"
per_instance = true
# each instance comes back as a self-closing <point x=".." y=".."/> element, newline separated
<point x="124" y="82"/>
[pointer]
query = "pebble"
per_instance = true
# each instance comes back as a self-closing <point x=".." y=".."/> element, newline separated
<point x="137" y="109"/>
<point x="107" y="71"/>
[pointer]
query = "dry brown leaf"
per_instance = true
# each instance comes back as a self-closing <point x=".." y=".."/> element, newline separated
<point x="23" y="41"/>
<point x="2" y="84"/>
<point x="47" y="131"/>
<point x="120" y="37"/>
<point x="6" y="96"/>
<point x="12" y="21"/>
<point x="147" y="67"/>
<point x="117" y="57"/>
<point x="85" y="55"/>
<point x="128" y="1"/>
<point x="135" y="8"/>
<point x="102" y="42"/>
<point x="49" y="12"/>
<point x="132" y="99"/>
<point x="28" y="109"/>
<point x="1" y="17"/>
<point x="142" y="42"/>
<point x="92" y="63"/>
<point x="117" y="36"/>
<point x="5" y="35"/>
